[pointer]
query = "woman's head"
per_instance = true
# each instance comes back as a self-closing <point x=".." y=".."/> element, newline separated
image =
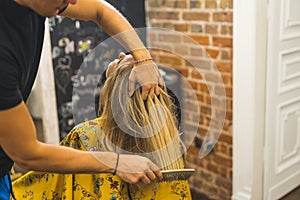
<point x="136" y="126"/>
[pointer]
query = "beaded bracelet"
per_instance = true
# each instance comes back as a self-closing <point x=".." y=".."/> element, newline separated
<point x="117" y="163"/>
<point x="143" y="60"/>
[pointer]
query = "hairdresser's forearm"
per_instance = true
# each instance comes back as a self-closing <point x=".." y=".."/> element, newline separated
<point x="18" y="140"/>
<point x="109" y="19"/>
<point x="61" y="159"/>
<point x="116" y="25"/>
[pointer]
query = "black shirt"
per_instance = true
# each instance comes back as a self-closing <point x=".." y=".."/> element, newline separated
<point x="21" y="39"/>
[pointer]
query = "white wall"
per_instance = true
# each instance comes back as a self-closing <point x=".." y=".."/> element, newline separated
<point x="42" y="100"/>
<point x="249" y="46"/>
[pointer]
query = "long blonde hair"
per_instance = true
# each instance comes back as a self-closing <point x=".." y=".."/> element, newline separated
<point x="132" y="125"/>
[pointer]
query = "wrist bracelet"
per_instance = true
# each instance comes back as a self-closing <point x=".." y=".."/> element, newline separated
<point x="117" y="163"/>
<point x="143" y="60"/>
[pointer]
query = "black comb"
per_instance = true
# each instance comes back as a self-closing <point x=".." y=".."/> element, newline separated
<point x="177" y="174"/>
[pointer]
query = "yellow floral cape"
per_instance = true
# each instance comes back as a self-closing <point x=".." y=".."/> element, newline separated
<point x="105" y="186"/>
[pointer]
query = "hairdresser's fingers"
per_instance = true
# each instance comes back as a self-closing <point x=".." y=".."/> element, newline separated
<point x="152" y="92"/>
<point x="151" y="175"/>
<point x="161" y="81"/>
<point x="132" y="80"/>
<point x="145" y="179"/>
<point x="155" y="170"/>
<point x="157" y="90"/>
<point x="145" y="91"/>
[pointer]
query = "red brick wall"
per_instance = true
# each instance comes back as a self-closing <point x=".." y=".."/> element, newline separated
<point x="209" y="23"/>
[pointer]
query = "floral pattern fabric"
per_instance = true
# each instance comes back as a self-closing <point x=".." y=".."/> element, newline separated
<point x="105" y="186"/>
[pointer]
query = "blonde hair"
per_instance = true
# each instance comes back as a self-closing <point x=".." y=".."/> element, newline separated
<point x="143" y="127"/>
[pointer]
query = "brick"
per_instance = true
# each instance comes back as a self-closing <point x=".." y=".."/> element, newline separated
<point x="228" y="115"/>
<point x="195" y="4"/>
<point x="226" y="138"/>
<point x="221" y="148"/>
<point x="223" y="182"/>
<point x="172" y="60"/>
<point x="206" y="176"/>
<point x="229" y="103"/>
<point x="223" y="172"/>
<point x="205" y="110"/>
<point x="176" y="4"/>
<point x="200" y="163"/>
<point x="207" y="120"/>
<point x="193" y="84"/>
<point x="203" y="40"/>
<point x="200" y="97"/>
<point x="181" y="50"/>
<point x="211" y="29"/>
<point x="224" y="194"/>
<point x="219" y="91"/>
<point x="222" y="17"/>
<point x="190" y="158"/>
<point x="201" y="120"/>
<point x="210" y="4"/>
<point x="199" y="64"/>
<point x="226" y="4"/>
<point x="222" y="41"/>
<point x="181" y="27"/>
<point x="196" y="16"/>
<point x="203" y="87"/>
<point x="226" y="54"/>
<point x="212" y="167"/>
<point x="169" y="38"/>
<point x="230" y="174"/>
<point x="152" y="36"/>
<point x="224" y="66"/>
<point x="223" y="161"/>
<point x="196" y="74"/>
<point x="230" y="151"/>
<point x="228" y="91"/>
<point x="226" y="30"/>
<point x="203" y="65"/>
<point x="213" y="53"/>
<point x="193" y="150"/>
<point x="167" y="25"/>
<point x="154" y="3"/>
<point x="196" y="51"/>
<point x="196" y="28"/>
<point x="211" y="77"/>
<point x="212" y="191"/>
<point x="208" y="100"/>
<point x="163" y="15"/>
<point x="184" y="72"/>
<point x="227" y="79"/>
<point x="217" y="101"/>
<point x="201" y="132"/>
<point x="161" y="46"/>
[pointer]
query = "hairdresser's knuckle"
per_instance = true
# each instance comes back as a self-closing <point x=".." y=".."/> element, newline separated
<point x="147" y="86"/>
<point x="131" y="79"/>
<point x="134" y="180"/>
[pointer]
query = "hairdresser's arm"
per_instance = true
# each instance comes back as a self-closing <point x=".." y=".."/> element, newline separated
<point x="18" y="140"/>
<point x="108" y="18"/>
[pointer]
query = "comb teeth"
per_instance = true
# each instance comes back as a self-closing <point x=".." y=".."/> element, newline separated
<point x="177" y="174"/>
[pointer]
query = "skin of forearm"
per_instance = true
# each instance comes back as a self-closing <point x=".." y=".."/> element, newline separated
<point x="122" y="31"/>
<point x="112" y="22"/>
<point x="60" y="159"/>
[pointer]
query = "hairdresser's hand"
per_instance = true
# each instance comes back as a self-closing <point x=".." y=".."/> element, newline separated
<point x="134" y="169"/>
<point x="147" y="76"/>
